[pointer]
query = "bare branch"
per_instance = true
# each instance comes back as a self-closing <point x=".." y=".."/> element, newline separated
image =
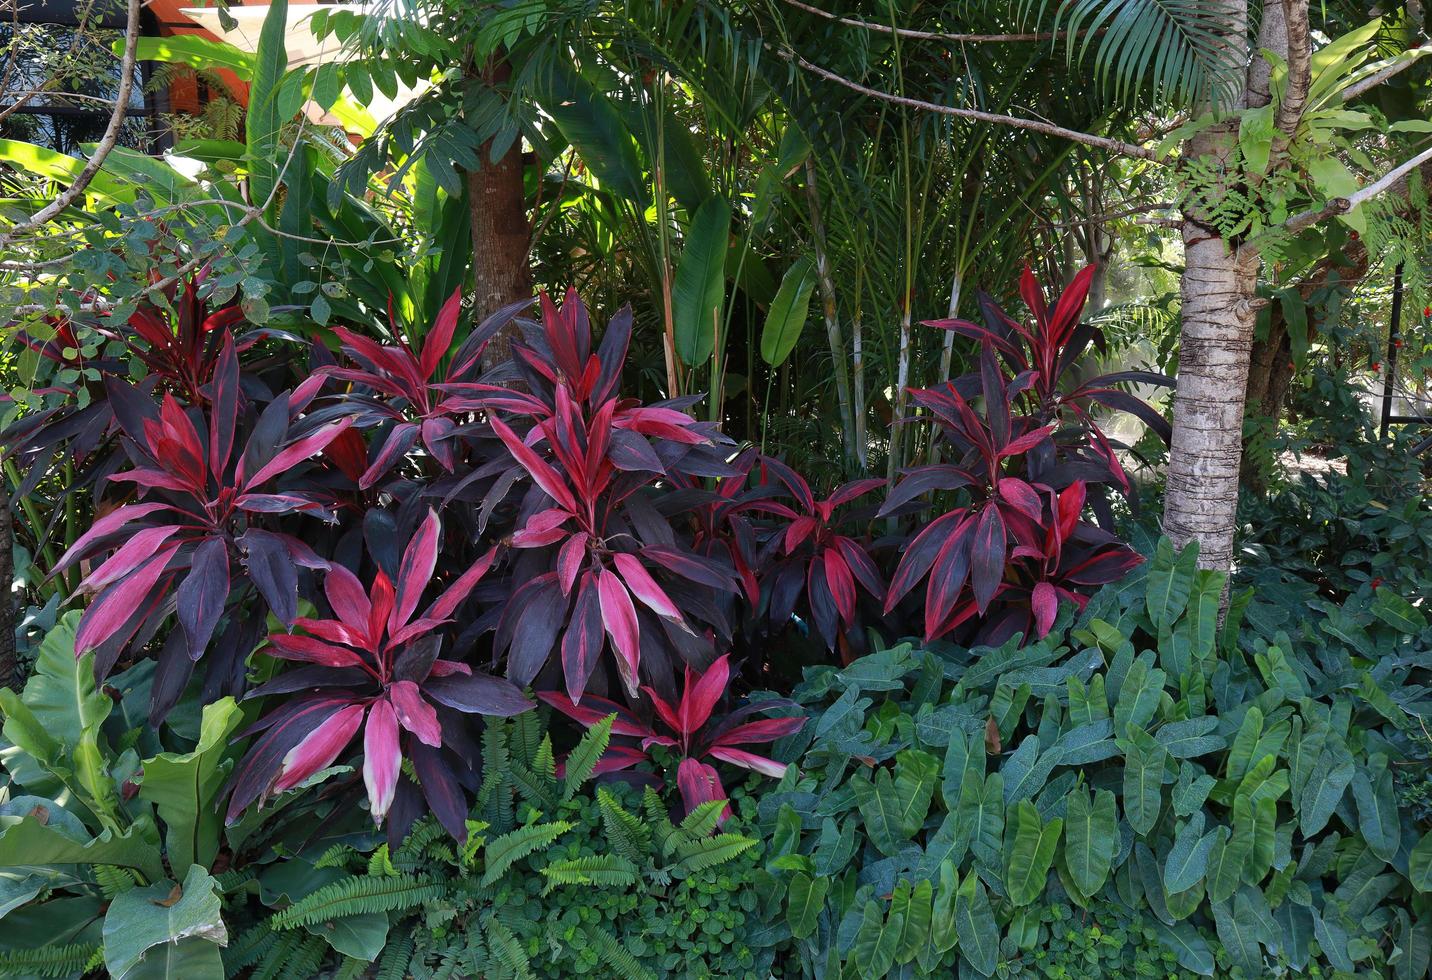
<point x="976" y="115"/>
<point x="107" y="143"/>
<point x="921" y="35"/>
<point x="1359" y="88"/>
<point x="1342" y="205"/>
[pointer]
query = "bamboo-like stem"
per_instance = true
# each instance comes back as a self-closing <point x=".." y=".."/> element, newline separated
<point x="832" y="319"/>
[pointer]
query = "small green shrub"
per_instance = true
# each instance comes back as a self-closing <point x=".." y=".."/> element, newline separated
<point x="554" y="879"/>
<point x="1221" y="794"/>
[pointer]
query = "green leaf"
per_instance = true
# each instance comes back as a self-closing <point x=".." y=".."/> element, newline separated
<point x="262" y="121"/>
<point x="1376" y="801"/>
<point x="27" y="841"/>
<point x="877" y="941"/>
<point x="788" y="313"/>
<point x="943" y="926"/>
<point x="1324" y="791"/>
<point x="162" y="915"/>
<point x="1143" y="780"/>
<point x="503" y="852"/>
<point x="1170" y="583"/>
<point x="806" y="898"/>
<point x="1237" y="936"/>
<point x="1091" y="838"/>
<point x="1225" y="863"/>
<point x="1192" y="738"/>
<point x="360" y="936"/>
<point x="1419" y="864"/>
<point x="583" y="759"/>
<point x="1187" y="860"/>
<point x="1029" y="852"/>
<point x="1139" y="694"/>
<point x="589" y="121"/>
<point x="1397" y="612"/>
<point x="981" y="816"/>
<point x="700" y="288"/>
<point x="194" y="51"/>
<point x="975" y="926"/>
<point x="1255" y="137"/>
<point x="912" y="903"/>
<point x="183" y="788"/>
<point x="882" y="809"/>
<point x="1188" y="946"/>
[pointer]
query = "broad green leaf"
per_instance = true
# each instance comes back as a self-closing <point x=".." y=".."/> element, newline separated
<point x="975" y="926"/>
<point x="1376" y="800"/>
<point x="1029" y="852"/>
<point x="882" y="809"/>
<point x="913" y="905"/>
<point x="1187" y="860"/>
<point x="1330" y="778"/>
<point x="699" y="291"/>
<point x="981" y="816"/>
<point x="194" y="51"/>
<point x="1190" y="948"/>
<point x="1192" y="738"/>
<point x="877" y="940"/>
<point x="63" y="168"/>
<point x="28" y="841"/>
<point x="1419" y="864"/>
<point x="1143" y="780"/>
<point x="1414" y="943"/>
<point x="361" y="936"/>
<point x="183" y="788"/>
<point x="594" y="127"/>
<point x="1237" y="936"/>
<point x="262" y="121"/>
<point x="1169" y="583"/>
<point x="788" y="313"/>
<point x="1091" y="838"/>
<point x="1397" y="612"/>
<point x="1225" y="863"/>
<point x="806" y="897"/>
<point x="1255" y="137"/>
<point x="1139" y="694"/>
<point x="162" y="915"/>
<point x="943" y="934"/>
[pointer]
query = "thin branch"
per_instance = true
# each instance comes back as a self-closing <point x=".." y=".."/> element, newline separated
<point x="1342" y="205"/>
<point x="1299" y="41"/>
<point x="1360" y="88"/>
<point x="1101" y="219"/>
<point x="921" y="35"/>
<point x="107" y="143"/>
<point x="1049" y="129"/>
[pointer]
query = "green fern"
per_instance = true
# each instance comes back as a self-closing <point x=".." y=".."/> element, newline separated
<point x="114" y="880"/>
<point x="252" y="945"/>
<point x="583" y="759"/>
<point x="698" y="855"/>
<point x="503" y="852"/>
<point x="413" y="853"/>
<point x="605" y="870"/>
<point x="337" y="856"/>
<point x="663" y="833"/>
<point x="544" y="764"/>
<point x="495" y="795"/>
<point x="507" y="949"/>
<point x="629" y="837"/>
<point x="534" y="787"/>
<point x="473" y="844"/>
<point x="47" y="961"/>
<point x="705" y="818"/>
<point x="355" y="895"/>
<point x="527" y="733"/>
<point x="624" y="966"/>
<point x="397" y="954"/>
<point x="380" y="865"/>
<point x="351" y="968"/>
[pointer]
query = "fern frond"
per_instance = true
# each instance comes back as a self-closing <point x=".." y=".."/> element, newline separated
<point x="544" y="764"/>
<point x="663" y="833"/>
<point x="615" y="955"/>
<point x="583" y="759"/>
<point x="252" y="945"/>
<point x="507" y="949"/>
<point x="336" y="856"/>
<point x="298" y="956"/>
<point x="233" y="879"/>
<point x="628" y="836"/>
<point x="475" y="839"/>
<point x="535" y="789"/>
<point x="358" y="894"/>
<point x="495" y="795"/>
<point x="47" y="961"/>
<point x="351" y="968"/>
<point x="698" y="855"/>
<point x="527" y="733"/>
<point x="397" y="954"/>
<point x="412" y="853"/>
<point x="606" y="870"/>
<point x="503" y="852"/>
<point x="276" y="954"/>
<point x="701" y="821"/>
<point x="114" y="880"/>
<point x="380" y="865"/>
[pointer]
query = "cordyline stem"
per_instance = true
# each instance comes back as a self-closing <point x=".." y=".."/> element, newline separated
<point x="832" y="321"/>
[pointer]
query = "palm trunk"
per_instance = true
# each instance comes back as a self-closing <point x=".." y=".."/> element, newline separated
<point x="501" y="235"/>
<point x="902" y="380"/>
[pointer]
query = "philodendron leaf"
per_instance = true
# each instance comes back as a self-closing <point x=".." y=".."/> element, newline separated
<point x="1170" y="582"/>
<point x="182" y="787"/>
<point x="165" y="915"/>
<point x="1188" y="946"/>
<point x="1143" y="779"/>
<point x="1187" y="860"/>
<point x="806" y="899"/>
<point x="913" y="904"/>
<point x="974" y="924"/>
<point x="877" y="940"/>
<point x="1091" y="838"/>
<point x="1030" y="844"/>
<point x="1419" y="864"/>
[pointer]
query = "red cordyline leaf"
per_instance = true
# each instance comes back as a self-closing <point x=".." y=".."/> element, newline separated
<point x="415" y="714"/>
<point x="749" y="760"/>
<point x="700" y="698"/>
<point x="382" y="758"/>
<point x="619" y="620"/>
<point x="699" y="784"/>
<point x="542" y="474"/>
<point x="319" y="748"/>
<point x="439" y="337"/>
<point x="416" y="569"/>
<point x="640" y="583"/>
<point x="295" y="453"/>
<point x="112" y="610"/>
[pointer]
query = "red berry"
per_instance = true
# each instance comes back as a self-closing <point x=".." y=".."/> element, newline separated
<point x="1397" y="343"/>
<point x="1376" y="583"/>
<point x="1377" y="365"/>
<point x="1354" y="236"/>
<point x="1427" y="311"/>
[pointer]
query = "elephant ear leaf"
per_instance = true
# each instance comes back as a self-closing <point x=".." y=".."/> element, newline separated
<point x="1029" y="853"/>
<point x="806" y="898"/>
<point x="1091" y="838"/>
<point x="975" y="926"/>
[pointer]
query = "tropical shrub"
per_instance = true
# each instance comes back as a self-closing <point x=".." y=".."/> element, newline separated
<point x="554" y="878"/>
<point x="1233" y="783"/>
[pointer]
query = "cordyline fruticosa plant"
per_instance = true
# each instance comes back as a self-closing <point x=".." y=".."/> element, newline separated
<point x="1000" y="563"/>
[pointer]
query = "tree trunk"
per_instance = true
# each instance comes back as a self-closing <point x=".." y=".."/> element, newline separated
<point x="501" y="235"/>
<point x="9" y="665"/>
